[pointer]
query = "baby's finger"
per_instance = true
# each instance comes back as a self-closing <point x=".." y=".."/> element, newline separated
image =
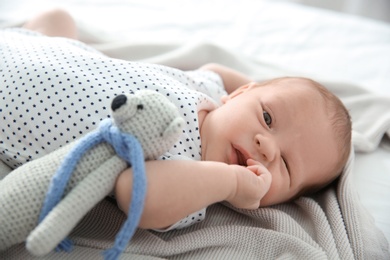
<point x="254" y="169"/>
<point x="251" y="162"/>
<point x="267" y="179"/>
<point x="258" y="169"/>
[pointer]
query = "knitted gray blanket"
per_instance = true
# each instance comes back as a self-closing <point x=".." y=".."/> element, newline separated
<point x="329" y="225"/>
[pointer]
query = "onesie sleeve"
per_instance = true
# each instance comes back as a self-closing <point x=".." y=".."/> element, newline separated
<point x="208" y="82"/>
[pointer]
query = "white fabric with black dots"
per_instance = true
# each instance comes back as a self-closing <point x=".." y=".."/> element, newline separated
<point x="54" y="90"/>
<point x="187" y="221"/>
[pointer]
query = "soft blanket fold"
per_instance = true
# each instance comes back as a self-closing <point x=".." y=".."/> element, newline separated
<point x="329" y="225"/>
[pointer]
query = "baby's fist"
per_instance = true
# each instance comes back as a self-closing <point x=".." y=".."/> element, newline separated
<point x="252" y="183"/>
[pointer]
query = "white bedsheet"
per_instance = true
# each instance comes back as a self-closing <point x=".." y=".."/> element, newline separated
<point x="284" y="38"/>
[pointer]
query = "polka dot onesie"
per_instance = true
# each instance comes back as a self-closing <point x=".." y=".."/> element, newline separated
<point x="54" y="90"/>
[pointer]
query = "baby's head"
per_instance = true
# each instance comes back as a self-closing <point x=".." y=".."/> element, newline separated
<point x="341" y="126"/>
<point x="294" y="126"/>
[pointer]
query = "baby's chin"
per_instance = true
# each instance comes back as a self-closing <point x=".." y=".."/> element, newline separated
<point x="271" y="200"/>
<point x="264" y="202"/>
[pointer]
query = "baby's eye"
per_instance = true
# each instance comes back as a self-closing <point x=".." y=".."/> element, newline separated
<point x="267" y="118"/>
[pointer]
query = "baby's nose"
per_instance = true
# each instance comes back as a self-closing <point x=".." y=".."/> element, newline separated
<point x="118" y="101"/>
<point x="266" y="147"/>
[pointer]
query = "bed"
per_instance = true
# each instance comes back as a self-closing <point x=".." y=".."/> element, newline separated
<point x="264" y="39"/>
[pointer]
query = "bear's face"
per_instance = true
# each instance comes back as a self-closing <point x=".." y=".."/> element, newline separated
<point x="151" y="118"/>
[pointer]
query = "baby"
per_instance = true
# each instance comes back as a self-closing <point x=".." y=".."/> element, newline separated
<point x="250" y="144"/>
<point x="291" y="130"/>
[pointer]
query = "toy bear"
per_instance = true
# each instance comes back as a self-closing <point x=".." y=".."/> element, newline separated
<point x="147" y="116"/>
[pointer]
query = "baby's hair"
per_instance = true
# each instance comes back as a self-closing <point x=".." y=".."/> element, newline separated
<point x="341" y="124"/>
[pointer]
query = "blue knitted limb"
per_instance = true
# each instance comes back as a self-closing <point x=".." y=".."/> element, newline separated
<point x="61" y="177"/>
<point x="65" y="245"/>
<point x="129" y="149"/>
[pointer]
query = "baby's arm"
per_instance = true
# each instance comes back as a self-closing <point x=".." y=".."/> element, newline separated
<point x="231" y="78"/>
<point x="179" y="188"/>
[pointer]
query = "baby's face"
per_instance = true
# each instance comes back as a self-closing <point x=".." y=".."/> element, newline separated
<point x="284" y="126"/>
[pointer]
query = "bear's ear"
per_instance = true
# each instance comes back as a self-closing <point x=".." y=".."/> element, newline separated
<point x="124" y="107"/>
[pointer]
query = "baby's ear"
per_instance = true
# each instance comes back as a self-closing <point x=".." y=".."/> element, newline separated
<point x="237" y="92"/>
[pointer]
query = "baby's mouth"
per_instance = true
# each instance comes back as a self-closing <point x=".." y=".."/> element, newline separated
<point x="240" y="158"/>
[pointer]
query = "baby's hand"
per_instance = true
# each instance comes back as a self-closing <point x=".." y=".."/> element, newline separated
<point x="253" y="182"/>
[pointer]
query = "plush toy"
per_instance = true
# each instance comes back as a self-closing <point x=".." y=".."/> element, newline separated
<point x="43" y="200"/>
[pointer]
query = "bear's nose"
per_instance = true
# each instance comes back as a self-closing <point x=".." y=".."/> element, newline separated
<point x="118" y="101"/>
